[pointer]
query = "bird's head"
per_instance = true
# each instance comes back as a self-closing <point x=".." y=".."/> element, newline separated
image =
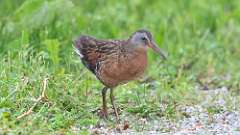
<point x="143" y="39"/>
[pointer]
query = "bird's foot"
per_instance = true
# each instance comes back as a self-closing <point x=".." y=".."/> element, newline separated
<point x="103" y="114"/>
<point x="118" y="110"/>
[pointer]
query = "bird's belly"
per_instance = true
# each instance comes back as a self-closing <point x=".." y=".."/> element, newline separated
<point x="122" y="71"/>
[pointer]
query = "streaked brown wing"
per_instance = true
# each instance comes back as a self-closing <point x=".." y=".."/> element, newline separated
<point x="92" y="51"/>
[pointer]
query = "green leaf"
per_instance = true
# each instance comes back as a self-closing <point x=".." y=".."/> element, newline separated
<point x="53" y="50"/>
<point x="25" y="39"/>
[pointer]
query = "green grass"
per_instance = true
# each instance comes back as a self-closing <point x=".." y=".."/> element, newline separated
<point x="200" y="37"/>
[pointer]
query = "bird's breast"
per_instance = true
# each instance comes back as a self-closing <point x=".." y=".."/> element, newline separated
<point x="123" y="68"/>
<point x="133" y="64"/>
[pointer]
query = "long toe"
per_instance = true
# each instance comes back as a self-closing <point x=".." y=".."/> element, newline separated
<point x="103" y="114"/>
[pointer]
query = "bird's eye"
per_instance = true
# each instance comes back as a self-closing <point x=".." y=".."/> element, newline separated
<point x="144" y="38"/>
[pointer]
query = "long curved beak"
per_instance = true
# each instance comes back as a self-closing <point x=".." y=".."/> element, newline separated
<point x="155" y="47"/>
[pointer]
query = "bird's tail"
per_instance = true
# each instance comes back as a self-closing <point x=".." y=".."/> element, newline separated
<point x="77" y="46"/>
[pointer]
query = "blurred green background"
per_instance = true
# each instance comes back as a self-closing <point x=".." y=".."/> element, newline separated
<point x="202" y="39"/>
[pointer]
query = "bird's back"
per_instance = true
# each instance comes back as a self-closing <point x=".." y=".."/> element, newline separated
<point x="92" y="51"/>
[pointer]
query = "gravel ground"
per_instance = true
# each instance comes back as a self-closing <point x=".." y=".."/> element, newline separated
<point x="215" y="115"/>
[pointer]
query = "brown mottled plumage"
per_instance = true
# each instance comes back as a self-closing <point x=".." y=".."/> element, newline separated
<point x="116" y="62"/>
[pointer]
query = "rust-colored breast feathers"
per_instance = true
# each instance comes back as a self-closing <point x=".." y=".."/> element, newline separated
<point x="126" y="67"/>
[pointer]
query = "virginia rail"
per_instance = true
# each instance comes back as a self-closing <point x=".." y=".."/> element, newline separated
<point x="116" y="62"/>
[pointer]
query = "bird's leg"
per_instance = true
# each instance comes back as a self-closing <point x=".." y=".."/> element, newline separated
<point x="113" y="104"/>
<point x="104" y="112"/>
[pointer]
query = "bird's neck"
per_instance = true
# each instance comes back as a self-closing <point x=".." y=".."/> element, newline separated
<point x="129" y="48"/>
<point x="133" y="52"/>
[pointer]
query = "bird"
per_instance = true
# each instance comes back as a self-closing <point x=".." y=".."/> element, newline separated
<point x="116" y="62"/>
